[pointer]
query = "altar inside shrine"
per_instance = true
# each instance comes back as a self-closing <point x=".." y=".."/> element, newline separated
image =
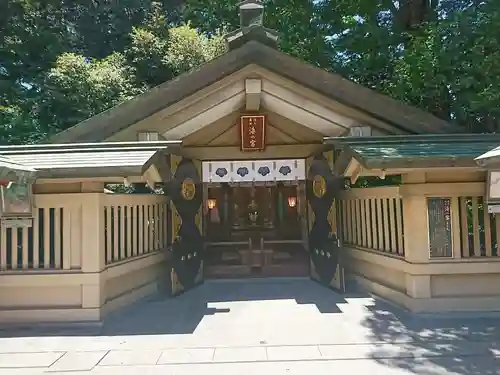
<point x="256" y="229"/>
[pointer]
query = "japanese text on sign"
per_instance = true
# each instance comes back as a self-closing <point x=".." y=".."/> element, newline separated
<point x="252" y="133"/>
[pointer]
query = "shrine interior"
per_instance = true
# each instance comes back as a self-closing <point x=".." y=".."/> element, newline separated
<point x="256" y="229"/>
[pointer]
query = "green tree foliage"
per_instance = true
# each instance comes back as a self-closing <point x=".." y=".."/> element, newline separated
<point x="94" y="84"/>
<point x="439" y="55"/>
<point x="62" y="61"/>
<point x="452" y="69"/>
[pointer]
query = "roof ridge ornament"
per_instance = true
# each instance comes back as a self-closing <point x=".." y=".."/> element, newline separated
<point x="252" y="27"/>
<point x="251" y="13"/>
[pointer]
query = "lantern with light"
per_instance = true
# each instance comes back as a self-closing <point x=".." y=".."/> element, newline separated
<point x="292" y="201"/>
<point x="211" y="203"/>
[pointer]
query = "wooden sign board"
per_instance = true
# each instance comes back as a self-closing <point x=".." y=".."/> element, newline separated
<point x="253" y="132"/>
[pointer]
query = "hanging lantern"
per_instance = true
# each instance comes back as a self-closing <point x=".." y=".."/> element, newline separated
<point x="292" y="201"/>
<point x="211" y="203"/>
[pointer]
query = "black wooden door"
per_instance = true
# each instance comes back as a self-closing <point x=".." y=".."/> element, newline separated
<point x="322" y="188"/>
<point x="186" y="254"/>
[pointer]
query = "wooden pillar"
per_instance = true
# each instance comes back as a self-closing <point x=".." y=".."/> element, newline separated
<point x="416" y="235"/>
<point x="93" y="256"/>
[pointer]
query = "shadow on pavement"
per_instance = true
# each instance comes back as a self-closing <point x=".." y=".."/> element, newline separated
<point x="160" y="314"/>
<point x="434" y="344"/>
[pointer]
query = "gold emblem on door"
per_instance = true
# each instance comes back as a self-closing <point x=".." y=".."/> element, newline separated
<point x="188" y="189"/>
<point x="319" y="186"/>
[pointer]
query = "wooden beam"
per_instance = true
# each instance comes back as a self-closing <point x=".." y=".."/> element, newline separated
<point x="206" y="117"/>
<point x="307" y="104"/>
<point x="167" y="119"/>
<point x="234" y="152"/>
<point x="302" y="115"/>
<point x="253" y="89"/>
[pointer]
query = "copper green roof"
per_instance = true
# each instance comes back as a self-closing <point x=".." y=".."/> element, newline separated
<point x="415" y="151"/>
<point x="88" y="160"/>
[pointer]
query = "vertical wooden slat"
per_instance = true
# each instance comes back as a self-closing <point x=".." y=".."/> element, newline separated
<point x="386" y="221"/>
<point x="380" y="225"/>
<point x="146" y="228"/>
<point x="151" y="227"/>
<point x="346" y="221"/>
<point x="162" y="226"/>
<point x="66" y="245"/>
<point x="46" y="238"/>
<point x="464" y="226"/>
<point x="36" y="244"/>
<point x="375" y="234"/>
<point x="475" y="227"/>
<point x="136" y="231"/>
<point x="141" y="229"/>
<point x="123" y="231"/>
<point x="109" y="235"/>
<point x="362" y="223"/>
<point x="399" y="224"/>
<point x="25" y="248"/>
<point x="455" y="227"/>
<point x="487" y="231"/>
<point x="392" y="225"/>
<point x="76" y="236"/>
<point x="156" y="215"/>
<point x="367" y="219"/>
<point x="130" y="232"/>
<point x="158" y="226"/>
<point x="14" y="248"/>
<point x="359" y="232"/>
<point x="57" y="237"/>
<point x="352" y="234"/>
<point x="3" y="248"/>
<point x="165" y="225"/>
<point x="116" y="247"/>
<point x="354" y="223"/>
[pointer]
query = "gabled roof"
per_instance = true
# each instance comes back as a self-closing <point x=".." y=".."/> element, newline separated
<point x="409" y="119"/>
<point x="413" y="151"/>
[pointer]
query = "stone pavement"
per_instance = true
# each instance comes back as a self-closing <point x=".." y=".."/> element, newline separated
<point x="279" y="326"/>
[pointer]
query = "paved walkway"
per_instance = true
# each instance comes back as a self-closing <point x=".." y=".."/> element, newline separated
<point x="262" y="326"/>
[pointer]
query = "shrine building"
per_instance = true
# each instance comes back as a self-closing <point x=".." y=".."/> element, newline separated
<point x="251" y="165"/>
